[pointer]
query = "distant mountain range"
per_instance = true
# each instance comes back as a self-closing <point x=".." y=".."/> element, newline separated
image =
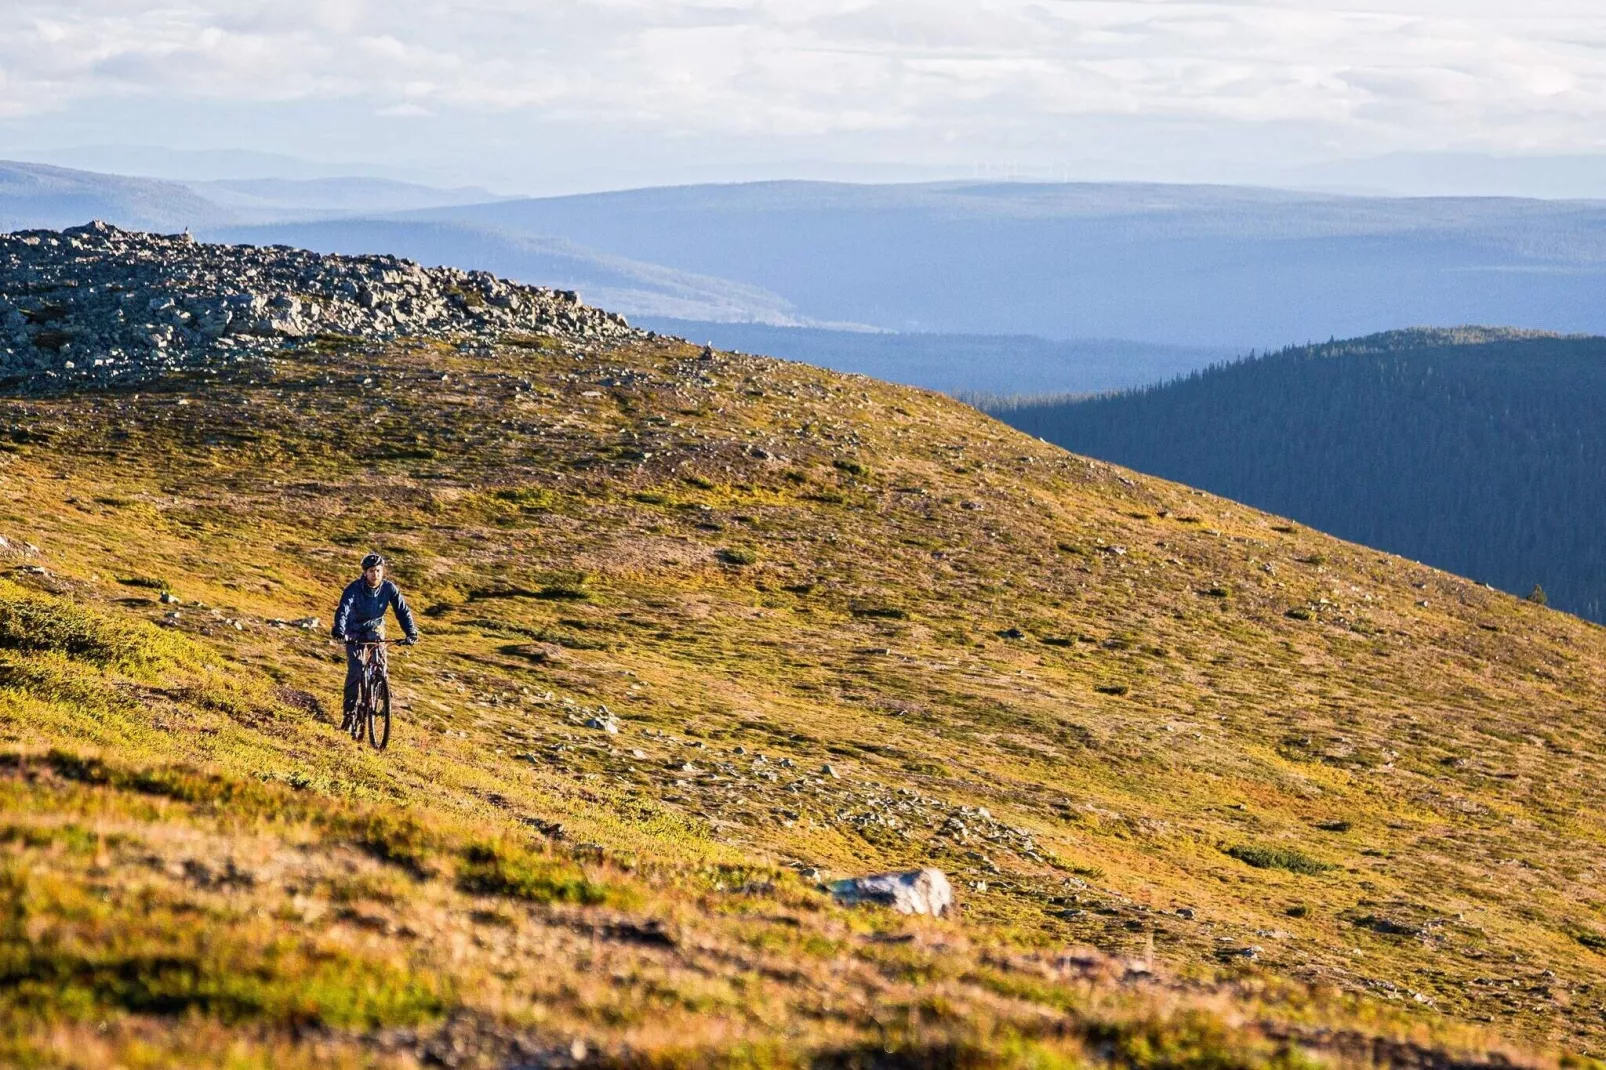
<point x="1172" y="265"/>
<point x="607" y="280"/>
<point x="986" y="287"/>
<point x="276" y="198"/>
<point x="36" y="195"/>
<point x="1478" y="451"/>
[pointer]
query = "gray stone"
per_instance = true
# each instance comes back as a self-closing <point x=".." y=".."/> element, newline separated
<point x="130" y="306"/>
<point x="918" y="891"/>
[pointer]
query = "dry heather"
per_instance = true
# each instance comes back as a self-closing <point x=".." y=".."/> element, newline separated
<point x="1304" y="799"/>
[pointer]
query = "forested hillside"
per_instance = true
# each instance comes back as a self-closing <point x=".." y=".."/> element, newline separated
<point x="1478" y="451"/>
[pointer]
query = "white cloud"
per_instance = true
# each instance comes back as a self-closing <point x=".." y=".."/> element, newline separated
<point x="1389" y="73"/>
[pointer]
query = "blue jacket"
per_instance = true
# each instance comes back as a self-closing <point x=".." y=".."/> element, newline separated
<point x="361" y="614"/>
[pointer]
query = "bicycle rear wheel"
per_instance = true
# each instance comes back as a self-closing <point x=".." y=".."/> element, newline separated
<point x="379" y="714"/>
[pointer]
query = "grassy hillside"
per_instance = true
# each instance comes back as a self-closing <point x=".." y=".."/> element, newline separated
<point x="1214" y="790"/>
<point x="1477" y="450"/>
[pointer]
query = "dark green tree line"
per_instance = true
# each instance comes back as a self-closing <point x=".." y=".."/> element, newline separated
<point x="1478" y="451"/>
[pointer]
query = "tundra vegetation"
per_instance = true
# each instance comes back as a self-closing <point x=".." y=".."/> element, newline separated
<point x="702" y="633"/>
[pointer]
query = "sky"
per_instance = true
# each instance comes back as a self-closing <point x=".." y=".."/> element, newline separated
<point x="586" y="94"/>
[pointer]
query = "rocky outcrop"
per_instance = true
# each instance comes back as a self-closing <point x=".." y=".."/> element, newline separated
<point x="99" y="303"/>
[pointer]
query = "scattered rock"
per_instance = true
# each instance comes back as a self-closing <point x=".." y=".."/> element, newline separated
<point x="103" y="304"/>
<point x="604" y="722"/>
<point x="1389" y="926"/>
<point x="919" y="891"/>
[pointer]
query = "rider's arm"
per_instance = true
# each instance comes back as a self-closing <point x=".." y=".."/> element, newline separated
<point x="404" y="614"/>
<point x="343" y="614"/>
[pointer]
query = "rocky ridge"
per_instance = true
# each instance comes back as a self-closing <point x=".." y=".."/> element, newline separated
<point x="99" y="303"/>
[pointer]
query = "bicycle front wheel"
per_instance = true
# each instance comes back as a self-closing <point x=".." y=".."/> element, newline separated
<point x="379" y="714"/>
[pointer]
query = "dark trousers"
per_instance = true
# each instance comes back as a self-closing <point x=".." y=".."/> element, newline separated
<point x="354" y="672"/>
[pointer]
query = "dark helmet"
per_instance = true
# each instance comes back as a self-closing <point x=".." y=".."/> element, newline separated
<point x="371" y="561"/>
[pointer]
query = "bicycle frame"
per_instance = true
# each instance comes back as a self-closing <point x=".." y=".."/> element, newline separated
<point x="373" y="696"/>
<point x="369" y="662"/>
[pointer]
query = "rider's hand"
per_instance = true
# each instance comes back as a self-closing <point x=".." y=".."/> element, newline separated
<point x="411" y="640"/>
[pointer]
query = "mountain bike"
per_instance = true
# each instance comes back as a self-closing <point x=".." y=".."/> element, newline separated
<point x="372" y="715"/>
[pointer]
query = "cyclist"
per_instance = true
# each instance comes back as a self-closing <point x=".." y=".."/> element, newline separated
<point x="360" y="618"/>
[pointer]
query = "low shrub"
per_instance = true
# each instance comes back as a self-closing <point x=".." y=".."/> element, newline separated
<point x="525" y="497"/>
<point x="389" y="837"/>
<point x="881" y="612"/>
<point x="37" y="624"/>
<point x="852" y="468"/>
<point x="495" y="868"/>
<point x="563" y="592"/>
<point x="40" y="625"/>
<point x="1266" y="857"/>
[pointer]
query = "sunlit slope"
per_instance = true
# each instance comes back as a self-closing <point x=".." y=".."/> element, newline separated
<point x="1115" y="711"/>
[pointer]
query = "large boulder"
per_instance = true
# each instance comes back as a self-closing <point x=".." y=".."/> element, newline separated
<point x="918" y="891"/>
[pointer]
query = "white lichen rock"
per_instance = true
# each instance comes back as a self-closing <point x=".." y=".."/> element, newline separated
<point x="918" y="891"/>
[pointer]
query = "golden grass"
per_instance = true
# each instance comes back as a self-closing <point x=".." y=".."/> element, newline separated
<point x="1118" y="712"/>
